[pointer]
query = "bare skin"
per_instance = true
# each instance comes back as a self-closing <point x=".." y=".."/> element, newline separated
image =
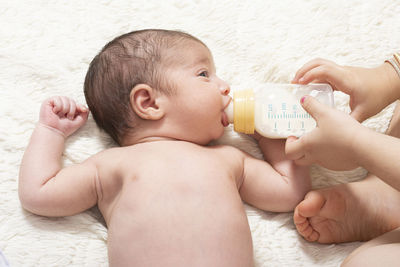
<point x="332" y="215"/>
<point x="167" y="200"/>
<point x="183" y="211"/>
<point x="381" y="251"/>
<point x="365" y="209"/>
<point x="356" y="211"/>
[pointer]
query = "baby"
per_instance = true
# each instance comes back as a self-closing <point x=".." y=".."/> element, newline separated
<point x="167" y="199"/>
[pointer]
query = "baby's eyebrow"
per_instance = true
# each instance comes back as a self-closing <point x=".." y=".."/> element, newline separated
<point x="201" y="60"/>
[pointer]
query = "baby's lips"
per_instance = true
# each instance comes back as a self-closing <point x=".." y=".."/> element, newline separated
<point x="228" y="109"/>
<point x="224" y="119"/>
<point x="229" y="112"/>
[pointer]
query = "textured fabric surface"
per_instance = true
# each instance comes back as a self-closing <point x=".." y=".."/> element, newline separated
<point x="45" y="49"/>
<point x="3" y="261"/>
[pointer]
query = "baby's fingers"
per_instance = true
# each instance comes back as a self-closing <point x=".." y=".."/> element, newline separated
<point x="294" y="148"/>
<point x="81" y="117"/>
<point x="77" y="111"/>
<point x="72" y="110"/>
<point x="56" y="103"/>
<point x="66" y="107"/>
<point x="61" y="106"/>
<point x="82" y="108"/>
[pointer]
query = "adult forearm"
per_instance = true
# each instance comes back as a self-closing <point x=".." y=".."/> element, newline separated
<point x="380" y="155"/>
<point x="42" y="159"/>
<point x="390" y="81"/>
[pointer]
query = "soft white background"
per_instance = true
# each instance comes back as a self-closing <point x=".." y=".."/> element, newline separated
<point x="45" y="49"/>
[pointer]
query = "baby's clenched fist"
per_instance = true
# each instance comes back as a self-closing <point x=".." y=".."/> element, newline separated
<point x="62" y="114"/>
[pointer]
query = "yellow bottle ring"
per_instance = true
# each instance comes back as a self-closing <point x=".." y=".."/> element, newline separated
<point x="243" y="111"/>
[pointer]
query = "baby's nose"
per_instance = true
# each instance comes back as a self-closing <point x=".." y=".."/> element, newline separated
<point x="225" y="88"/>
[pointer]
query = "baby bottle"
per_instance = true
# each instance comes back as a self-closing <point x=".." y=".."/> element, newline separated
<point x="274" y="110"/>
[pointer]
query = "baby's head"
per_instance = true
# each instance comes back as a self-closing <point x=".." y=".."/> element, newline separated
<point x="142" y="77"/>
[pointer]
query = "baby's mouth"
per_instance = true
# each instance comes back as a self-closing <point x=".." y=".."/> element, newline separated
<point x="224" y="119"/>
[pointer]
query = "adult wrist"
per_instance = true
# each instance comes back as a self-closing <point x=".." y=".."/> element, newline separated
<point x="359" y="146"/>
<point x="392" y="70"/>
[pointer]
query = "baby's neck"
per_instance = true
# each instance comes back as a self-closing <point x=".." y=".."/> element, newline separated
<point x="147" y="139"/>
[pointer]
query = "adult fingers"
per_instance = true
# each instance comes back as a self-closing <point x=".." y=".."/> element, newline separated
<point x="313" y="107"/>
<point x="323" y="73"/>
<point x="309" y="66"/>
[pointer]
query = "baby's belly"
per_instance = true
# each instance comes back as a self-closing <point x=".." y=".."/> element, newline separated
<point x="180" y="228"/>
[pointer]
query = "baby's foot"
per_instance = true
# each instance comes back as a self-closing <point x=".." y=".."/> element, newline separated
<point x="356" y="211"/>
<point x="351" y="212"/>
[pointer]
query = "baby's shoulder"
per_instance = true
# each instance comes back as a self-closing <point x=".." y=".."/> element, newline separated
<point x="113" y="154"/>
<point x="226" y="150"/>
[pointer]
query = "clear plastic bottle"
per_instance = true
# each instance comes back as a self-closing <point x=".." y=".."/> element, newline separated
<point x="274" y="110"/>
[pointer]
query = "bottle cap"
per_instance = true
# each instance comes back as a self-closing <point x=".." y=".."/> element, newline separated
<point x="243" y="111"/>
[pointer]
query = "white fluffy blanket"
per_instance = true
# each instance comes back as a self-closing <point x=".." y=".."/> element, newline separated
<point x="45" y="50"/>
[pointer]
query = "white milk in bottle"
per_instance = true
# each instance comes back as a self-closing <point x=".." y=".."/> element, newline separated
<point x="274" y="110"/>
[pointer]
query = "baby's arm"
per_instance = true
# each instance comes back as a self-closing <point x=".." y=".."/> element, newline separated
<point x="276" y="185"/>
<point x="44" y="187"/>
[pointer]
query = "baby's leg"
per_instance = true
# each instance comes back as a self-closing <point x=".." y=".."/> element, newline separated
<point x="381" y="251"/>
<point x="356" y="211"/>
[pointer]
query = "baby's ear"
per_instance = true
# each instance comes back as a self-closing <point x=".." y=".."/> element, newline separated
<point x="145" y="102"/>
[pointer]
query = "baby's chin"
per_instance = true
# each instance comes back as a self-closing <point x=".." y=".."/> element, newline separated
<point x="207" y="141"/>
<point x="219" y="135"/>
<point x="206" y="137"/>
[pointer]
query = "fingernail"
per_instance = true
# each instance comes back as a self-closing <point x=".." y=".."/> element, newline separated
<point x="83" y="108"/>
<point x="301" y="80"/>
<point x="302" y="99"/>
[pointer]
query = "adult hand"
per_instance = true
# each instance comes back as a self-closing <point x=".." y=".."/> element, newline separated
<point x="331" y="143"/>
<point x="370" y="90"/>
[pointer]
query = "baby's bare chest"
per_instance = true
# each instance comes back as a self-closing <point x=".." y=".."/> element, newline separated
<point x="174" y="175"/>
<point x="176" y="200"/>
<point x="174" y="212"/>
<point x="180" y="165"/>
<point x="197" y="178"/>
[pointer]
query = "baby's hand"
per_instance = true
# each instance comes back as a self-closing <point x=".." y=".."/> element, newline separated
<point x="256" y="136"/>
<point x="63" y="114"/>
<point x="368" y="89"/>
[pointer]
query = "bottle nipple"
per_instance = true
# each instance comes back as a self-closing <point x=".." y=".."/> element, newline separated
<point x="229" y="112"/>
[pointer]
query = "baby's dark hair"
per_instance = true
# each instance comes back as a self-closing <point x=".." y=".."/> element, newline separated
<point x="133" y="58"/>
